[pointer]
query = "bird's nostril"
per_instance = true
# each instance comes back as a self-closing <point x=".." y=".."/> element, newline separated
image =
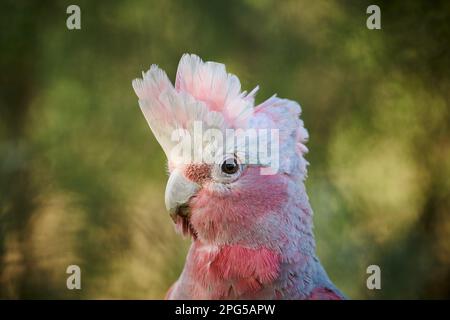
<point x="198" y="172"/>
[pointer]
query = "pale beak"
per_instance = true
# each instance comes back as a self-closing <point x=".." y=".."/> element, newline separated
<point x="178" y="192"/>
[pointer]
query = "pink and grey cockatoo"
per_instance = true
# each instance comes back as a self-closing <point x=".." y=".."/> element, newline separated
<point x="252" y="231"/>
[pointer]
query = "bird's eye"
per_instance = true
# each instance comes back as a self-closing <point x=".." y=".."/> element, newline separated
<point x="230" y="166"/>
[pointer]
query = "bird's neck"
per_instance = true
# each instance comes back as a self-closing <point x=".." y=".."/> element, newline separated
<point x="234" y="271"/>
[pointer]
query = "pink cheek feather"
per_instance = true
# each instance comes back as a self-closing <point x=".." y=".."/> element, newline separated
<point x="226" y="212"/>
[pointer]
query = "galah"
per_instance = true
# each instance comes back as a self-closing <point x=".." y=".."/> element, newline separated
<point x="250" y="221"/>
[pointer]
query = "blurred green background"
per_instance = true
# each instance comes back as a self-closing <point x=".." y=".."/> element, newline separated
<point x="82" y="178"/>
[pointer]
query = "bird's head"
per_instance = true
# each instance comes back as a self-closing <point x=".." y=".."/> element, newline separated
<point x="234" y="168"/>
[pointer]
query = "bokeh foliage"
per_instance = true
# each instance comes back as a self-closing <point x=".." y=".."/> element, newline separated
<point x="82" y="178"/>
